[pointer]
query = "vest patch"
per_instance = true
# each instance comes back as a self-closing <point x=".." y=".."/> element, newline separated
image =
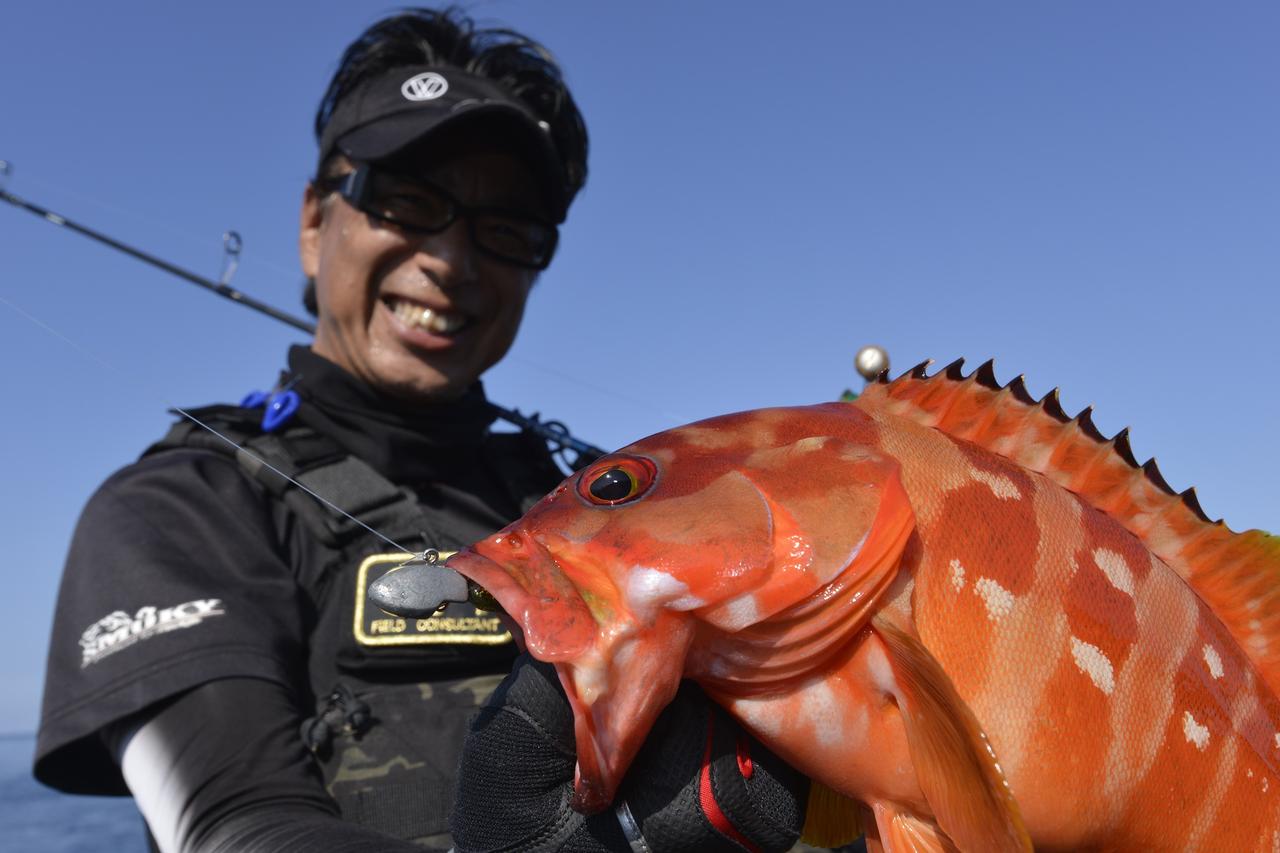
<point x="459" y="624"/>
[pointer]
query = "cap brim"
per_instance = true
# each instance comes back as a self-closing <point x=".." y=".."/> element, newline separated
<point x="509" y="126"/>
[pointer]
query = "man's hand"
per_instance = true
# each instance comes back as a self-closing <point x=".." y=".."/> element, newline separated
<point x="698" y="783"/>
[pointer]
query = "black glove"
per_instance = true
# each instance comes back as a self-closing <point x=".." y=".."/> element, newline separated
<point x="699" y="782"/>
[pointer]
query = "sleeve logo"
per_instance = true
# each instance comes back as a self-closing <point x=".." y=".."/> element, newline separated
<point x="118" y="630"/>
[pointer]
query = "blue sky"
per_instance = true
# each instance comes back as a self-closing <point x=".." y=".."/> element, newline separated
<point x="1089" y="192"/>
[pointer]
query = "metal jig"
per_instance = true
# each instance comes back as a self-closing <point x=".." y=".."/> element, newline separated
<point x="422" y="585"/>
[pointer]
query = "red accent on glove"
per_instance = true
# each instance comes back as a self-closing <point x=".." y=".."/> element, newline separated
<point x="707" y="797"/>
<point x="745" y="767"/>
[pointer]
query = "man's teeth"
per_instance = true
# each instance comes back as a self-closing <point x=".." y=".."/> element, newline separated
<point x="433" y="321"/>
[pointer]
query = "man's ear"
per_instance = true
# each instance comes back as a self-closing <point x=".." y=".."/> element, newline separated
<point x="309" y="222"/>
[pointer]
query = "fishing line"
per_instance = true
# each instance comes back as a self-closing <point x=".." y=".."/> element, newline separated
<point x="239" y="448"/>
<point x="599" y="389"/>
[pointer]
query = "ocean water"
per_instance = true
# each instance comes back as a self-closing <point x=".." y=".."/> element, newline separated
<point x="35" y="818"/>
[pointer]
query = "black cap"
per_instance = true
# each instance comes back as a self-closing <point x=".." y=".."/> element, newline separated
<point x="386" y="114"/>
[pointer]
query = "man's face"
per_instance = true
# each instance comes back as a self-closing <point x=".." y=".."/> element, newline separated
<point x="419" y="316"/>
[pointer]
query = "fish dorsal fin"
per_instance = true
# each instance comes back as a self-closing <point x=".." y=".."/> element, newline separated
<point x="1236" y="574"/>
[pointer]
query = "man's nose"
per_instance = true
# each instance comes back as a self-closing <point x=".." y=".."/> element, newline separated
<point x="450" y="253"/>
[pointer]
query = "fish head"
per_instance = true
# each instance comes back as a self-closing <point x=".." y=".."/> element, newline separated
<point x="680" y="537"/>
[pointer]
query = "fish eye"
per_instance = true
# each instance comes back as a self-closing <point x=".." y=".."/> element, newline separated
<point x="617" y="481"/>
<point x="615" y="484"/>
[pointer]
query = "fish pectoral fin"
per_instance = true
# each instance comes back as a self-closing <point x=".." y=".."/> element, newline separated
<point x="955" y="763"/>
<point x="831" y="819"/>
<point x="898" y="831"/>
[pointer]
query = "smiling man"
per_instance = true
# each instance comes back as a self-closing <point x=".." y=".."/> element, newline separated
<point x="215" y="653"/>
<point x="451" y="192"/>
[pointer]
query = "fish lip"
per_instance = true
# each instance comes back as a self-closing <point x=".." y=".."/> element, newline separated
<point x="496" y="581"/>
<point x="534" y="590"/>
<point x="490" y="574"/>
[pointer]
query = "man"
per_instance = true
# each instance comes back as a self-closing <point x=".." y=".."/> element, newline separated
<point x="215" y="652"/>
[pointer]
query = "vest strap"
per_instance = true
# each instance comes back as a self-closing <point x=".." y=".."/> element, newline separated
<point x="314" y="460"/>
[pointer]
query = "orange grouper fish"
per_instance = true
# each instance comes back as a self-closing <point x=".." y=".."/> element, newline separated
<point x="977" y="621"/>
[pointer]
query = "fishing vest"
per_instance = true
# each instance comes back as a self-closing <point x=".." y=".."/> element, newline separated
<point x="392" y="697"/>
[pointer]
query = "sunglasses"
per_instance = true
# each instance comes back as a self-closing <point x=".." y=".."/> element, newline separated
<point x="415" y="204"/>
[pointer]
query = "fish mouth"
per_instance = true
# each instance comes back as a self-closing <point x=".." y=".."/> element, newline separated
<point x="615" y="678"/>
<point x="536" y="595"/>
<point x="484" y="576"/>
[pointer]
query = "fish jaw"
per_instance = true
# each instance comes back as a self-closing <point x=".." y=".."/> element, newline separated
<point x="617" y="673"/>
<point x="617" y="693"/>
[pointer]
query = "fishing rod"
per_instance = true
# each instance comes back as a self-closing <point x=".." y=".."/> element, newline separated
<point x="555" y="433"/>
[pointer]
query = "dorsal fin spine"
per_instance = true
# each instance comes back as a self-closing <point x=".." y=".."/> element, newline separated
<point x="920" y="371"/>
<point x="985" y="375"/>
<point x="1192" y="500"/>
<point x="1085" y="421"/>
<point x="1052" y="403"/>
<point x="1121" y="443"/>
<point x="1018" y="388"/>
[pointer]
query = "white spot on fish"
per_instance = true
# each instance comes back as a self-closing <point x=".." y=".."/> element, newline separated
<point x="737" y="613"/>
<point x="957" y="575"/>
<point x="1196" y="733"/>
<point x="1212" y="661"/>
<point x="762" y="714"/>
<point x="1116" y="569"/>
<point x="856" y="729"/>
<point x="720" y="667"/>
<point x="1277" y="740"/>
<point x="588" y="682"/>
<point x="825" y="711"/>
<point x="813" y="442"/>
<point x="881" y="671"/>
<point x="1093" y="663"/>
<point x="1001" y="486"/>
<point x="650" y="588"/>
<point x="1265" y="784"/>
<point x="1249" y="773"/>
<point x="999" y="600"/>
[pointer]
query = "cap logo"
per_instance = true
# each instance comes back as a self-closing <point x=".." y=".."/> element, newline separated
<point x="426" y="86"/>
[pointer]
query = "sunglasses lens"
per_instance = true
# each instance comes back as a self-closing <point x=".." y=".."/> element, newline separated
<point x="413" y="205"/>
<point x="420" y="206"/>
<point x="522" y="241"/>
